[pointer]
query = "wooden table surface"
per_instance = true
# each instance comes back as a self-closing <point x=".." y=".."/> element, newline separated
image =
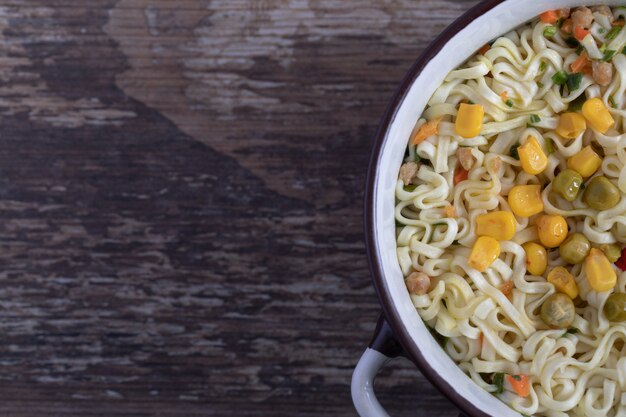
<point x="181" y="190"/>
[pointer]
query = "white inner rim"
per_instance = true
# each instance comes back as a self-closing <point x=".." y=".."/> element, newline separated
<point x="496" y="22"/>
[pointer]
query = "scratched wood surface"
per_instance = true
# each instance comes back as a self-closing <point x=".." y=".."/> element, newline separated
<point x="181" y="203"/>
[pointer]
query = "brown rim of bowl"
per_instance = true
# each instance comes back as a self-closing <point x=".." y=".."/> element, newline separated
<point x="411" y="349"/>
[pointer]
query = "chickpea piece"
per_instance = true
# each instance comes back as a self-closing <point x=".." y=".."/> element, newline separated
<point x="602" y="72"/>
<point x="408" y="171"/>
<point x="582" y="16"/>
<point x="417" y="283"/>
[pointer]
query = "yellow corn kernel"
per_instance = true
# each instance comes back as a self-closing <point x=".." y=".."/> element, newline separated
<point x="536" y="258"/>
<point x="599" y="271"/>
<point x="525" y="200"/>
<point x="571" y="125"/>
<point x="597" y="115"/>
<point x="563" y="281"/>
<point x="532" y="157"/>
<point x="485" y="251"/>
<point x="552" y="230"/>
<point x="585" y="162"/>
<point x="469" y="120"/>
<point x="500" y="225"/>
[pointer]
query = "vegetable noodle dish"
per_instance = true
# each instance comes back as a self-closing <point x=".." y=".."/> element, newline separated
<point x="511" y="215"/>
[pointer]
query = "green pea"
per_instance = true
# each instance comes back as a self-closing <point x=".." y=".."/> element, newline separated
<point x="615" y="307"/>
<point x="567" y="184"/>
<point x="601" y="194"/>
<point x="558" y="311"/>
<point x="575" y="248"/>
<point x="612" y="251"/>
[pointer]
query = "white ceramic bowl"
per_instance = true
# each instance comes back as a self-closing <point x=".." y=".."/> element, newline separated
<point x="401" y="330"/>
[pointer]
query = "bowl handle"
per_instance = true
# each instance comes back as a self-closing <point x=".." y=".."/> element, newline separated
<point x="381" y="350"/>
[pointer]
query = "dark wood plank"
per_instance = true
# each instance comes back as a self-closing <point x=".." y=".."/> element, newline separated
<point x="181" y="203"/>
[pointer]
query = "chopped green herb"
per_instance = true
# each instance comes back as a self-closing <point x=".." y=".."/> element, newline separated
<point x="509" y="103"/>
<point x="602" y="47"/>
<point x="573" y="81"/>
<point x="612" y="102"/>
<point x="549" y="146"/>
<point x="543" y="66"/>
<point x="417" y="158"/>
<point x="559" y="78"/>
<point x="608" y="55"/>
<point x="549" y="31"/>
<point x="534" y="118"/>
<point x="410" y="187"/>
<point x="516" y="377"/>
<point x="577" y="103"/>
<point x="601" y="31"/>
<point x="498" y="381"/>
<point x="572" y="42"/>
<point x="539" y="84"/>
<point x="613" y="32"/>
<point x="513" y="152"/>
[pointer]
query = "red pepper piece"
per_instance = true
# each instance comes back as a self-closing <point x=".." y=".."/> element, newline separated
<point x="621" y="262"/>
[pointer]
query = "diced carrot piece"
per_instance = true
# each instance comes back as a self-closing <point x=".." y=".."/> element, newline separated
<point x="580" y="33"/>
<point x="484" y="49"/>
<point x="460" y="175"/>
<point x="551" y="16"/>
<point x="507" y="288"/>
<point x="504" y="95"/>
<point x="580" y="63"/>
<point x="450" y="211"/>
<point x="425" y="131"/>
<point x="520" y="384"/>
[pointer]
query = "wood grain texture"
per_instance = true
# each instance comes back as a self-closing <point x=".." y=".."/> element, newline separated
<point x="181" y="203"/>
